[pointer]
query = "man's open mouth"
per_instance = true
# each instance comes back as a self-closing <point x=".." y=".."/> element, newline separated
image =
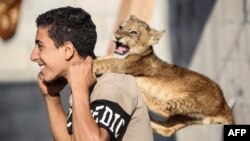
<point x="121" y="49"/>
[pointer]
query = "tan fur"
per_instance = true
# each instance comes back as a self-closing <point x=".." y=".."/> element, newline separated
<point x="181" y="96"/>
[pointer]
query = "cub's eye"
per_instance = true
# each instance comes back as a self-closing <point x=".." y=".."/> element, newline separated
<point x="120" y="27"/>
<point x="133" y="33"/>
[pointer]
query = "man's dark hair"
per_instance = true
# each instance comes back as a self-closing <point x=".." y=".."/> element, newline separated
<point x="70" y="24"/>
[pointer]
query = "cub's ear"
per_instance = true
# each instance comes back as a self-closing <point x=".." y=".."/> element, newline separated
<point x="155" y="36"/>
<point x="132" y="17"/>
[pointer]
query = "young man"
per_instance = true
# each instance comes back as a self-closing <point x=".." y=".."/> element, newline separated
<point x="107" y="108"/>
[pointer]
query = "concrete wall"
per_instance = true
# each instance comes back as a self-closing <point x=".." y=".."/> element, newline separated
<point x="23" y="113"/>
<point x="221" y="51"/>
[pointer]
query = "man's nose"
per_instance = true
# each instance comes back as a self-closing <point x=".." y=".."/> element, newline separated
<point x="34" y="54"/>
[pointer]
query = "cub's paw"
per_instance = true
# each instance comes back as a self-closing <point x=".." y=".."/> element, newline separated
<point x="165" y="132"/>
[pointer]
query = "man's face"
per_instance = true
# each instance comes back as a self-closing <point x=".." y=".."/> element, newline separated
<point x="48" y="57"/>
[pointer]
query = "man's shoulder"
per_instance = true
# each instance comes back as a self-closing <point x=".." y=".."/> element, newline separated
<point x="111" y="77"/>
<point x="118" y="88"/>
<point x="118" y="82"/>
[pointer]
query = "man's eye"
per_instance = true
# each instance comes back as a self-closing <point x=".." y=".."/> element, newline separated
<point x="133" y="32"/>
<point x="39" y="46"/>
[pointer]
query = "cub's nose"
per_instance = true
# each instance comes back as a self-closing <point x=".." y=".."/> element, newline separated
<point x="118" y="38"/>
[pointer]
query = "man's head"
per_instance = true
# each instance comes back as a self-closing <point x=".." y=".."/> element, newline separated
<point x="70" y="24"/>
<point x="63" y="35"/>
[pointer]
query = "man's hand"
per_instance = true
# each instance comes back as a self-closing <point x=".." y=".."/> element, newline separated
<point x="51" y="89"/>
<point x="80" y="74"/>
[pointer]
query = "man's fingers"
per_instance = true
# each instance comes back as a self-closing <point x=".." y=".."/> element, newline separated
<point x="77" y="62"/>
<point x="89" y="59"/>
<point x="40" y="77"/>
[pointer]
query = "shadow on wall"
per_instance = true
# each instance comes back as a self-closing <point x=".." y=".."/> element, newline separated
<point x="187" y="19"/>
<point x="23" y="114"/>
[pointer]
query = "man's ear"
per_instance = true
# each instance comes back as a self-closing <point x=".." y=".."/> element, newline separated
<point x="69" y="50"/>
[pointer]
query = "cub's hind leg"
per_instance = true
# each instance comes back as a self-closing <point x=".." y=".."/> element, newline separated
<point x="215" y="119"/>
<point x="172" y="124"/>
<point x="223" y="116"/>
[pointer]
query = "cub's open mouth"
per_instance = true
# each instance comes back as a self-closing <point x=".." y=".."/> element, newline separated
<point x="121" y="49"/>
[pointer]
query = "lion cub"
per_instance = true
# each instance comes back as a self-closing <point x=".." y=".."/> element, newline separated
<point x="178" y="95"/>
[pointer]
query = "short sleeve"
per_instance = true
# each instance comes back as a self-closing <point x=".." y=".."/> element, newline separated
<point x="126" y="99"/>
<point x="112" y="108"/>
<point x="110" y="116"/>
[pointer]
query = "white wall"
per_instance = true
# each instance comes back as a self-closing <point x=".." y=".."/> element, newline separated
<point x="15" y="64"/>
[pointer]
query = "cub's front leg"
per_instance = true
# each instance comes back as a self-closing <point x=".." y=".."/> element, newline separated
<point x="109" y="65"/>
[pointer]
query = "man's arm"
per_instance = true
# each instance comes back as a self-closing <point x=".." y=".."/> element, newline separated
<point x="57" y="117"/>
<point x="80" y="78"/>
<point x="84" y="125"/>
